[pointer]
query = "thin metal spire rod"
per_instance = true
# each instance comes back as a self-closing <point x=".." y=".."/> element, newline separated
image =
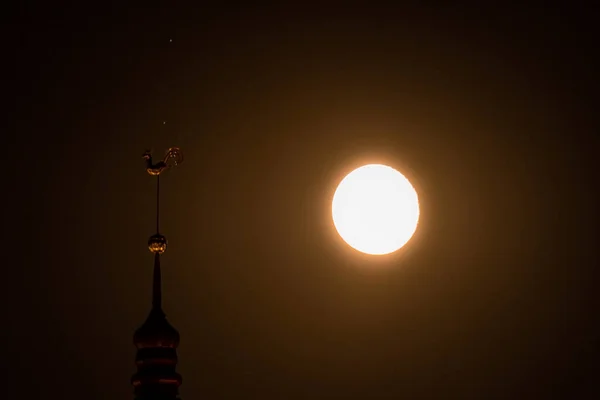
<point x="157" y="203"/>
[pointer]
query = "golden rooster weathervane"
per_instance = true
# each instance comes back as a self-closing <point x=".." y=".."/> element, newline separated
<point x="173" y="158"/>
<point x="157" y="242"/>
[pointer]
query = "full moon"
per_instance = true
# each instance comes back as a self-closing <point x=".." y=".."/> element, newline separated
<point x="375" y="209"/>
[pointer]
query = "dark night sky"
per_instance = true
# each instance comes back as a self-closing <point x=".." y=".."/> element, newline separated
<point x="488" y="112"/>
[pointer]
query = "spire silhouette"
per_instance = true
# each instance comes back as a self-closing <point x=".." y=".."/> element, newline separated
<point x="157" y="340"/>
<point x="156" y="284"/>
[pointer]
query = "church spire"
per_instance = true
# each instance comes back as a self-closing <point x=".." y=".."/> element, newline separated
<point x="157" y="284"/>
<point x="156" y="340"/>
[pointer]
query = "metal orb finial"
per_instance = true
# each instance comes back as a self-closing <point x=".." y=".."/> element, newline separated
<point x="157" y="244"/>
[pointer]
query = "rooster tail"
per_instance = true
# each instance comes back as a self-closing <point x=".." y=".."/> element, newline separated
<point x="174" y="156"/>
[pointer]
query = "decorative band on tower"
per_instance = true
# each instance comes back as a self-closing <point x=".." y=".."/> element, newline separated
<point x="157" y="340"/>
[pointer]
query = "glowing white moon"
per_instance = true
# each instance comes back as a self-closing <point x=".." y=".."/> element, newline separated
<point x="375" y="209"/>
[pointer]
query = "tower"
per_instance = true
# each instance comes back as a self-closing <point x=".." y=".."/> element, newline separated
<point x="157" y="340"/>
